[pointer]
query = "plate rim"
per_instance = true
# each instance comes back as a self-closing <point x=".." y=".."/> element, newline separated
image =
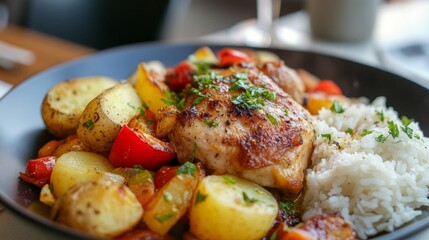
<point x="16" y="208"/>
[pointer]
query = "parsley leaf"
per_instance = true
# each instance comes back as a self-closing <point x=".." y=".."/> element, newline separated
<point x="252" y="97"/>
<point x="380" y="115"/>
<point x="229" y="179"/>
<point x="173" y="99"/>
<point x="210" y="123"/>
<point x="287" y="206"/>
<point x="349" y="131"/>
<point x="88" y="124"/>
<point x="272" y="119"/>
<point x="380" y="138"/>
<point x="336" y="107"/>
<point x="366" y="132"/>
<point x="286" y="111"/>
<point x="247" y="199"/>
<point x="164" y="217"/>
<point x="406" y="121"/>
<point x="274" y="235"/>
<point x="199" y="198"/>
<point x="138" y="167"/>
<point x="327" y="136"/>
<point x="393" y="129"/>
<point x="167" y="196"/>
<point x="187" y="168"/>
<point x="407" y="130"/>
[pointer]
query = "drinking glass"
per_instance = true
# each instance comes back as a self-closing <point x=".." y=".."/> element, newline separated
<point x="258" y="32"/>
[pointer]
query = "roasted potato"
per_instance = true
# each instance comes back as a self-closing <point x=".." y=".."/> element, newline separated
<point x="100" y="207"/>
<point x="65" y="102"/>
<point x="228" y="207"/>
<point x="77" y="166"/>
<point x="104" y="116"/>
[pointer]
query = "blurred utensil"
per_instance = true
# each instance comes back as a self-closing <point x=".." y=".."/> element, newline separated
<point x="258" y="32"/>
<point x="4" y="88"/>
<point x="11" y="55"/>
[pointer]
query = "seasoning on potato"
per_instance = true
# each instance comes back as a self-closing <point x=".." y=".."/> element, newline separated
<point x="65" y="102"/>
<point x="102" y="208"/>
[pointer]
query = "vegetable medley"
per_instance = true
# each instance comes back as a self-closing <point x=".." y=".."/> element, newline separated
<point x="112" y="170"/>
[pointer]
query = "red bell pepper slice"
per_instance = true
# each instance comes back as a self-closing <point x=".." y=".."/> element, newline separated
<point x="38" y="171"/>
<point x="179" y="76"/>
<point x="229" y="56"/>
<point x="327" y="86"/>
<point x="132" y="148"/>
<point x="164" y="174"/>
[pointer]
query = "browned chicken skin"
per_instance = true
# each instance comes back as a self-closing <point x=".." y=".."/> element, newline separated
<point x="286" y="78"/>
<point x="269" y="143"/>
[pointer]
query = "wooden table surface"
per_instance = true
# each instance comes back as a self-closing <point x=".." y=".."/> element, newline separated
<point x="48" y="51"/>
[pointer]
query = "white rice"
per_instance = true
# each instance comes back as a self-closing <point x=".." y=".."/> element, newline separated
<point x="375" y="185"/>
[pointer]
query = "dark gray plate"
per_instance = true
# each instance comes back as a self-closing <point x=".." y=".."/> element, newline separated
<point x="22" y="130"/>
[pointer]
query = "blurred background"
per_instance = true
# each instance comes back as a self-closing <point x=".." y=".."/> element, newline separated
<point x="102" y="24"/>
<point x="36" y="34"/>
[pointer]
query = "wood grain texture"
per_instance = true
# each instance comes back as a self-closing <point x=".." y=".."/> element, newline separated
<point x="48" y="51"/>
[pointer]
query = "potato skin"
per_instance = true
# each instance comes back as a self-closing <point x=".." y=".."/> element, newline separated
<point x="102" y="208"/>
<point x="75" y="167"/>
<point x="65" y="102"/>
<point x="228" y="207"/>
<point x="104" y="116"/>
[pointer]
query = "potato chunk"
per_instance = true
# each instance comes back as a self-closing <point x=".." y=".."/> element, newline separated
<point x="228" y="207"/>
<point x="102" y="208"/>
<point x="104" y="116"/>
<point x="65" y="102"/>
<point x="77" y="166"/>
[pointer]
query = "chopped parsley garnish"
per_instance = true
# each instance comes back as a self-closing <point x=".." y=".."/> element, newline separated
<point x="144" y="105"/>
<point x="380" y="115"/>
<point x="286" y="111"/>
<point x="164" y="217"/>
<point x="202" y="68"/>
<point x="173" y="99"/>
<point x="138" y="167"/>
<point x="229" y="179"/>
<point x="287" y="206"/>
<point x="199" y="198"/>
<point x="131" y="105"/>
<point x="349" y="131"/>
<point x="327" y="136"/>
<point x="272" y="119"/>
<point x="252" y="97"/>
<point x="210" y="123"/>
<point x="406" y="121"/>
<point x="366" y="132"/>
<point x="393" y="129"/>
<point x="88" y="124"/>
<point x="336" y="107"/>
<point x="407" y="130"/>
<point x="167" y="196"/>
<point x="187" y="168"/>
<point x="198" y="100"/>
<point x="274" y="236"/>
<point x="248" y="200"/>
<point x="380" y="138"/>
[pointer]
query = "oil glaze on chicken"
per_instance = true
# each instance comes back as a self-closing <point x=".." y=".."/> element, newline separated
<point x="239" y="121"/>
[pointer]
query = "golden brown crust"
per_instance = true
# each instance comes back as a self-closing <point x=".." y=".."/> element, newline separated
<point x="270" y="145"/>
